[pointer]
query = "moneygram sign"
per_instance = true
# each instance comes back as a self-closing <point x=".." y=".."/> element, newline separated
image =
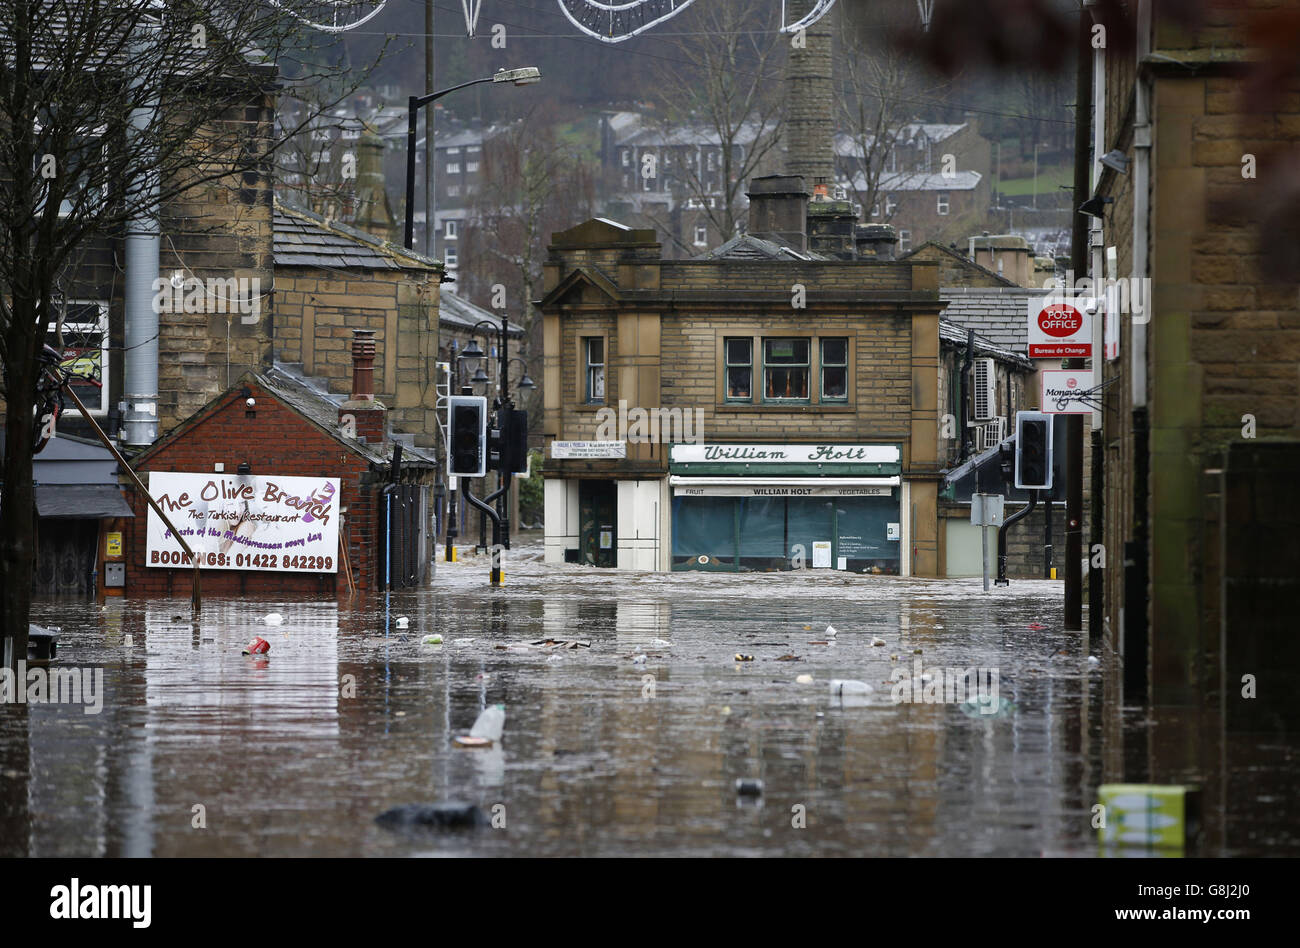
<point x="1060" y="328"/>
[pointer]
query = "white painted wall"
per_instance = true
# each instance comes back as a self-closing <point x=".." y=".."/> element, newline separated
<point x="640" y="509"/>
<point x="561" y="518"/>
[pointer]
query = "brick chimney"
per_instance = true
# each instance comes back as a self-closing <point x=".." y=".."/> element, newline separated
<point x="810" y="100"/>
<point x="361" y="413"/>
<point x="778" y="209"/>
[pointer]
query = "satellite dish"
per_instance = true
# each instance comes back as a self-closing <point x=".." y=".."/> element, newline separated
<point x="613" y="21"/>
<point x="331" y="16"/>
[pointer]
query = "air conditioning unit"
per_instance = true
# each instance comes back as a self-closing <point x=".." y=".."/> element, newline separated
<point x="984" y="400"/>
<point x="989" y="434"/>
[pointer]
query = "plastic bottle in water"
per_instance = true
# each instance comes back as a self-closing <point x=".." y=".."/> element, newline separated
<point x="490" y="723"/>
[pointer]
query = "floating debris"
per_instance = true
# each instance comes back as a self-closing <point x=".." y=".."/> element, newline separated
<point x="744" y="658"/>
<point x="273" y="618"/>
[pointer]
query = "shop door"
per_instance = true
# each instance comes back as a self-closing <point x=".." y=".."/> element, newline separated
<point x="598" y="522"/>
<point x="65" y="557"/>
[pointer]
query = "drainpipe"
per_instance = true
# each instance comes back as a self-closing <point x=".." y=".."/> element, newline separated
<point x="1135" y="626"/>
<point x="143" y="243"/>
<point x="965" y="391"/>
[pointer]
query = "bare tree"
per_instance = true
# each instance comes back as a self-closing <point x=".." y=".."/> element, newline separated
<point x="532" y="184"/>
<point x="110" y="110"/>
<point x="883" y="90"/>
<point x="730" y="105"/>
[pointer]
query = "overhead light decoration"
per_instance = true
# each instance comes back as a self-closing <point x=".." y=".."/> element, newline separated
<point x="613" y="21"/>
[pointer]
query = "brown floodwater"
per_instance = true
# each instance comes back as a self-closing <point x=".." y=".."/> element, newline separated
<point x="295" y="754"/>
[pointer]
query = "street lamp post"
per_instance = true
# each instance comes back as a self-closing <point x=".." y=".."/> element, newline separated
<point x="520" y="77"/>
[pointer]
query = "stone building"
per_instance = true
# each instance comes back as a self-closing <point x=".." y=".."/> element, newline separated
<point x="331" y="279"/>
<point x="724" y="411"/>
<point x="1201" y="430"/>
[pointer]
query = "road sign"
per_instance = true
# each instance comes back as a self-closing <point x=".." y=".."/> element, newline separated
<point x="1060" y="327"/>
<point x="986" y="510"/>
<point x="1063" y="391"/>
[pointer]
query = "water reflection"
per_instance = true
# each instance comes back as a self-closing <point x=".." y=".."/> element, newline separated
<point x="295" y="754"/>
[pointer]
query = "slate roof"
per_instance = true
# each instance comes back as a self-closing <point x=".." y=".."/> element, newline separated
<point x="920" y="181"/>
<point x="311" y="399"/>
<point x="952" y="334"/>
<point x="749" y="247"/>
<point x="81" y="501"/>
<point x="459" y="312"/>
<point x="999" y="314"/>
<point x="303" y="239"/>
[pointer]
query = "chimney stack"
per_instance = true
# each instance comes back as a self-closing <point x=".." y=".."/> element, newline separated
<point x="778" y="209"/>
<point x="830" y="224"/>
<point x="810" y="99"/>
<point x="876" y="241"/>
<point x="361" y="416"/>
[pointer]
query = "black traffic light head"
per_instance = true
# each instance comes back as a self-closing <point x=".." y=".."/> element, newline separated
<point x="467" y="424"/>
<point x="1033" y="450"/>
<point x="514" y="440"/>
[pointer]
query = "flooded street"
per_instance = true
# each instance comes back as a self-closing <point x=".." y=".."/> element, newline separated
<point x="296" y="753"/>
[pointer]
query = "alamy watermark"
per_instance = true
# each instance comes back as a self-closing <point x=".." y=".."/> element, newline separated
<point x="1130" y="295"/>
<point x="650" y="425"/>
<point x="214" y="295"/>
<point x="84" y="686"/>
<point x="978" y="686"/>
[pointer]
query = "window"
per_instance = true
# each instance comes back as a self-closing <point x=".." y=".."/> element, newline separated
<point x="890" y="205"/>
<point x="595" y="356"/>
<point x="453" y="167"/>
<point x="713" y="161"/>
<point x="739" y="356"/>
<point x="904" y="241"/>
<point x="701" y="235"/>
<point x="453" y="151"/>
<point x="85" y="351"/>
<point x="449" y="258"/>
<point x="471" y="167"/>
<point x="627" y="157"/>
<point x="942" y="206"/>
<point x="453" y="190"/>
<point x="87" y="149"/>
<point x="473" y="150"/>
<point x="875" y="210"/>
<point x="835" y="370"/>
<point x="450" y="229"/>
<point x="785" y="369"/>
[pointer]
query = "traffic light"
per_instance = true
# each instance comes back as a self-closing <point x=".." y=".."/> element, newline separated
<point x="514" y="441"/>
<point x="467" y="423"/>
<point x="1033" y="450"/>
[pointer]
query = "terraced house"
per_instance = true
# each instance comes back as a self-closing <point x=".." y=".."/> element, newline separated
<point x="806" y="361"/>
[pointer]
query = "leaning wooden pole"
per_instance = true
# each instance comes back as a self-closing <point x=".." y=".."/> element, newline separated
<point x="195" y="599"/>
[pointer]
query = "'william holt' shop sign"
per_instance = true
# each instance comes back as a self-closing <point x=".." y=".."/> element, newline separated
<point x="233" y="521"/>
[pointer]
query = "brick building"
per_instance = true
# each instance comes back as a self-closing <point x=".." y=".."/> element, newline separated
<point x="797" y="389"/>
<point x="240" y="448"/>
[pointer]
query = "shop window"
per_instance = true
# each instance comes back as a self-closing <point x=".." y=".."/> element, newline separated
<point x="85" y="351"/>
<point x="739" y="354"/>
<point x="835" y="370"/>
<point x="594" y="353"/>
<point x="785" y="369"/>
<point x="704" y="532"/>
